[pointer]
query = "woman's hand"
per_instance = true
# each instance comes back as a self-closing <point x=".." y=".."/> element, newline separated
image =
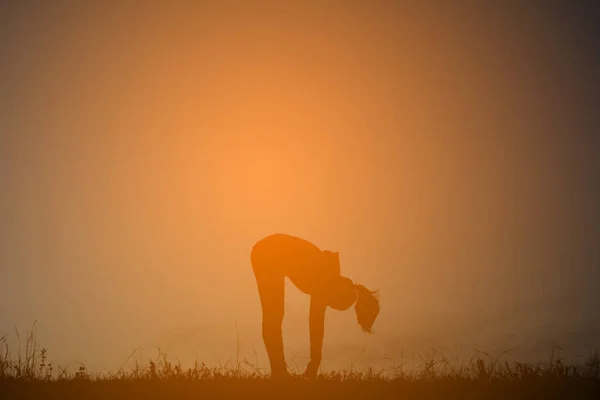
<point x="311" y="369"/>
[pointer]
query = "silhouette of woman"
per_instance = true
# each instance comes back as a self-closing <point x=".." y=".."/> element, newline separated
<point x="315" y="272"/>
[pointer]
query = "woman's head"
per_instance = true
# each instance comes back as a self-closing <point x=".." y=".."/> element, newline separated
<point x="342" y="294"/>
<point x="366" y="307"/>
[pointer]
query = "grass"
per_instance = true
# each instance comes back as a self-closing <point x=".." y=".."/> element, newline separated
<point x="28" y="375"/>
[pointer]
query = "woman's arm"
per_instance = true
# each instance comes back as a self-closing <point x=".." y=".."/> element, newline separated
<point x="316" y="324"/>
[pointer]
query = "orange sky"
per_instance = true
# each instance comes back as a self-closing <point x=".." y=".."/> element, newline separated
<point x="147" y="147"/>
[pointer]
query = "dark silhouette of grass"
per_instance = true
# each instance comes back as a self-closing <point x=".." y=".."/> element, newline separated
<point x="28" y="375"/>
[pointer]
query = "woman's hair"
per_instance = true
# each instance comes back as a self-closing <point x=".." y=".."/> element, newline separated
<point x="366" y="307"/>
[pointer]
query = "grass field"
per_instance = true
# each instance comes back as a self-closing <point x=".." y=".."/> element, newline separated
<point x="28" y="375"/>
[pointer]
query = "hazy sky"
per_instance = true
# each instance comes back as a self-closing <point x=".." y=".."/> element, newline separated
<point x="449" y="153"/>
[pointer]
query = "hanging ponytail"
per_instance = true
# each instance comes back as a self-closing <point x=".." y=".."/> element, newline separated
<point x="366" y="307"/>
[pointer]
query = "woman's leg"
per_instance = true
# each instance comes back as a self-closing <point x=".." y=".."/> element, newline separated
<point x="271" y="289"/>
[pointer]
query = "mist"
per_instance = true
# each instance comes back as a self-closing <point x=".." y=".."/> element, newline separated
<point x="449" y="154"/>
